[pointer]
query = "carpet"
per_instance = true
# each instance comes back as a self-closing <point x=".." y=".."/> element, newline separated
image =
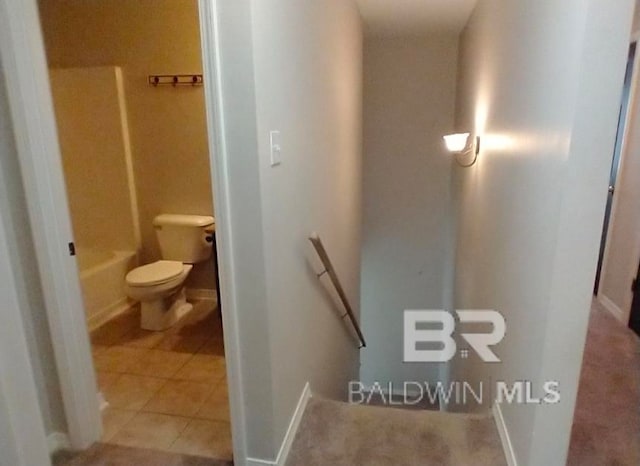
<point x="339" y="434"/>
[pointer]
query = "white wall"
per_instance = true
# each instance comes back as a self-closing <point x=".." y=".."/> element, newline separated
<point x="409" y="103"/>
<point x="22" y="433"/>
<point x="303" y="61"/>
<point x="308" y="65"/>
<point x="243" y="219"/>
<point x="13" y="204"/>
<point x="540" y="81"/>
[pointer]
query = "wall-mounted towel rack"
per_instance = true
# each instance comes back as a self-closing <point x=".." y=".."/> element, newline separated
<point x="175" y="80"/>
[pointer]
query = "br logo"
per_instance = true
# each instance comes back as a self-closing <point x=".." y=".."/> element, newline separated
<point x="436" y="328"/>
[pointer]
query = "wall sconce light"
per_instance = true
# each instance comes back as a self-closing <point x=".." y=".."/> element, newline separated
<point x="462" y="144"/>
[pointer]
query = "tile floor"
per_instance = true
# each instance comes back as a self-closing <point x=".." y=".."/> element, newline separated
<point x="105" y="454"/>
<point x="166" y="390"/>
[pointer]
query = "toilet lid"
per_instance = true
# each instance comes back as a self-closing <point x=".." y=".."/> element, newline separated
<point x="154" y="274"/>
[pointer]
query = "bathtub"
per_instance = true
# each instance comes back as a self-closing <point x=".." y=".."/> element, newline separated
<point x="102" y="280"/>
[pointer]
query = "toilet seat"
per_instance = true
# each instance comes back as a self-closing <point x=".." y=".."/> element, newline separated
<point x="155" y="274"/>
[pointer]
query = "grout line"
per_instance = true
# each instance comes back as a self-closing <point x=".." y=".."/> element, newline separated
<point x="216" y="383"/>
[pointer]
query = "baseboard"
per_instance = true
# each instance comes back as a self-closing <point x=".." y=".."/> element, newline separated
<point x="507" y="446"/>
<point x="258" y="462"/>
<point x="610" y="306"/>
<point x="201" y="294"/>
<point x="57" y="441"/>
<point x="285" y="448"/>
<point x="110" y="312"/>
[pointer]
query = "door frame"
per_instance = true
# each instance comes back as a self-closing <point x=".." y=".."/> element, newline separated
<point x="22" y="435"/>
<point x="28" y="89"/>
<point x="623" y="314"/>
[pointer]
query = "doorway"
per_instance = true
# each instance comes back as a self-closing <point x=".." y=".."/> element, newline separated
<point x="615" y="164"/>
<point x="136" y="165"/>
<point x="24" y="62"/>
<point x="634" y="318"/>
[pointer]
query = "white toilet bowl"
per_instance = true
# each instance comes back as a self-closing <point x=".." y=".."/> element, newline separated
<point x="159" y="288"/>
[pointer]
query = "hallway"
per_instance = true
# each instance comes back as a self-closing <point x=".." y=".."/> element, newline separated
<point x="606" y="429"/>
<point x="465" y="264"/>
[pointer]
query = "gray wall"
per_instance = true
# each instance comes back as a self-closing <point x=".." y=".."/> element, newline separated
<point x="409" y="103"/>
<point x="308" y="70"/>
<point x="303" y="60"/>
<point x="540" y="81"/>
<point x="12" y="201"/>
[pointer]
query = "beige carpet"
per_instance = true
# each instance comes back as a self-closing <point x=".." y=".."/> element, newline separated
<point x="606" y="426"/>
<point x="338" y="434"/>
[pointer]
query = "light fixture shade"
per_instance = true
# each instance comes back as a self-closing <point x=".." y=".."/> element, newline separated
<point x="456" y="143"/>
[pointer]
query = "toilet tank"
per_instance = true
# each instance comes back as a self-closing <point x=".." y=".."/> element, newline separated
<point x="183" y="237"/>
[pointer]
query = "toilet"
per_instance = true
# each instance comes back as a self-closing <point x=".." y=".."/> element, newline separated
<point x="159" y="287"/>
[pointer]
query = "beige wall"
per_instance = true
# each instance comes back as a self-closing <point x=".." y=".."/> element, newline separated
<point x="168" y="131"/>
<point x="540" y="82"/>
<point x="96" y="157"/>
<point x="409" y="103"/>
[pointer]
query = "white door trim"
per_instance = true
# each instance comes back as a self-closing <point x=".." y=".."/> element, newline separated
<point x="224" y="236"/>
<point x="22" y="437"/>
<point x="27" y="79"/>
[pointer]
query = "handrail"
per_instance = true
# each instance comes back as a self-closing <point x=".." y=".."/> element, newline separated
<point x="329" y="270"/>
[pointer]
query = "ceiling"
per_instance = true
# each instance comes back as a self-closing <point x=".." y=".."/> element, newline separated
<point x="414" y="17"/>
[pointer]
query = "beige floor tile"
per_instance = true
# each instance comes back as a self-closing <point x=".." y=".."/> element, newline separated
<point x="202" y="311"/>
<point x="150" y="430"/>
<point x="113" y="332"/>
<point x="190" y="334"/>
<point x="132" y="392"/>
<point x="106" y="379"/>
<point x="118" y="358"/>
<point x="203" y="368"/>
<point x="97" y="349"/>
<point x="140" y="338"/>
<point x="113" y="420"/>
<point x="205" y="438"/>
<point x="156" y="363"/>
<point x="179" y="397"/>
<point x="182" y="342"/>
<point x="216" y="407"/>
<point x="213" y="346"/>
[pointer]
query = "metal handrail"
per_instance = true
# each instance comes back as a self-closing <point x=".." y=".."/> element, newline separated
<point x="329" y="270"/>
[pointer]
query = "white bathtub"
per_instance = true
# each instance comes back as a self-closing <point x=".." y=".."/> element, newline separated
<point x="102" y="276"/>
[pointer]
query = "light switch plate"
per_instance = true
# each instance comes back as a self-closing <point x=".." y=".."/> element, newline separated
<point x="276" y="148"/>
